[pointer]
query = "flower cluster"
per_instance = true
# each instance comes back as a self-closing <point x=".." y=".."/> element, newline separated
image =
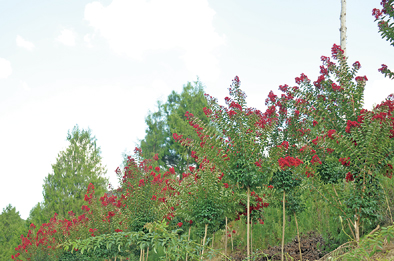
<point x="289" y="162"/>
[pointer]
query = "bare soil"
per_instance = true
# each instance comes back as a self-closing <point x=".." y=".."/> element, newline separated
<point x="311" y="245"/>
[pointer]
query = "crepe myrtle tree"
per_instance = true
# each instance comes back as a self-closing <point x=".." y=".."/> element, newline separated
<point x="366" y="149"/>
<point x="145" y="187"/>
<point x="235" y="141"/>
<point x="202" y="199"/>
<point x="325" y="108"/>
<point x="300" y="109"/>
<point x="386" y="29"/>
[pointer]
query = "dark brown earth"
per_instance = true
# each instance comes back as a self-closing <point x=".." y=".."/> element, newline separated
<point x="309" y="249"/>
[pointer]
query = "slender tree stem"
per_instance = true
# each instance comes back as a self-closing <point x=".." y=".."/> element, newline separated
<point x="248" y="225"/>
<point x="225" y="240"/>
<point x="298" y="235"/>
<point x="284" y="224"/>
<point x="203" y="242"/>
<point x="387" y="201"/>
<point x="251" y="237"/>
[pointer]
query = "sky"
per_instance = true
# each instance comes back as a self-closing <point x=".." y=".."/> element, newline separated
<point x="104" y="65"/>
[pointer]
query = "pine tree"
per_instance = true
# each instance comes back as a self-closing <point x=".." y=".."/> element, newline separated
<point x="12" y="226"/>
<point x="76" y="167"/>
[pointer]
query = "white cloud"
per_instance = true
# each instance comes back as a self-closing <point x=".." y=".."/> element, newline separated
<point x="25" y="86"/>
<point x="5" y="68"/>
<point x="88" y="40"/>
<point x="67" y="37"/>
<point x="136" y="27"/>
<point x="23" y="43"/>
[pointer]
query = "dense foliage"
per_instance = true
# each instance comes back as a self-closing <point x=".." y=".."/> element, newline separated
<point x="76" y="167"/>
<point x="315" y="154"/>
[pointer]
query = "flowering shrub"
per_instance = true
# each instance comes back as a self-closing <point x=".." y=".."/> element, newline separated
<point x="234" y="142"/>
<point x="343" y="138"/>
<point x="100" y="218"/>
<point x="385" y="28"/>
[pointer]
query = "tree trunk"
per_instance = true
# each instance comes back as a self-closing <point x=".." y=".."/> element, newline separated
<point x="284" y="224"/>
<point x="248" y="225"/>
<point x="203" y="242"/>
<point x="225" y="240"/>
<point x="188" y="238"/>
<point x="298" y="235"/>
<point x="251" y="237"/>
<point x="232" y="242"/>
<point x="357" y="229"/>
<point x="343" y="26"/>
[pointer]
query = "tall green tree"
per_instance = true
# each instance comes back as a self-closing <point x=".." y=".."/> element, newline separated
<point x="386" y="28"/>
<point x="169" y="119"/>
<point x="80" y="164"/>
<point x="12" y="226"/>
<point x="37" y="215"/>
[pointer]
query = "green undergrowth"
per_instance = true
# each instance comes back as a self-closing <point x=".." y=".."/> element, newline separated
<point x="318" y="216"/>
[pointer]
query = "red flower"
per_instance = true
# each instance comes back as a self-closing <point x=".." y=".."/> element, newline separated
<point x="351" y="124"/>
<point x="153" y="197"/>
<point x="314" y="123"/>
<point x="336" y="87"/>
<point x="329" y="150"/>
<point x="345" y="161"/>
<point x="330" y="133"/>
<point x="180" y="224"/>
<point x="176" y="137"/>
<point x="86" y="208"/>
<point x="349" y="177"/>
<point x="234" y="231"/>
<point x="361" y="78"/>
<point x="225" y="185"/>
<point x="257" y="164"/>
<point x="157" y="169"/>
<point x="315" y="140"/>
<point x="118" y="230"/>
<point x="315" y="159"/>
<point x="377" y="13"/>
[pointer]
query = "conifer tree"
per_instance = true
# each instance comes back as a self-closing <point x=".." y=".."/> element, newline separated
<point x="75" y="167"/>
<point x="12" y="226"/>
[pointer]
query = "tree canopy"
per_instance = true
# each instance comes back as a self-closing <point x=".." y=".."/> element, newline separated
<point x="12" y="226"/>
<point x="169" y="119"/>
<point x="75" y="167"/>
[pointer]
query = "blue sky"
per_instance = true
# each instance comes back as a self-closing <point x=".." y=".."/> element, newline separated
<point x="105" y="64"/>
